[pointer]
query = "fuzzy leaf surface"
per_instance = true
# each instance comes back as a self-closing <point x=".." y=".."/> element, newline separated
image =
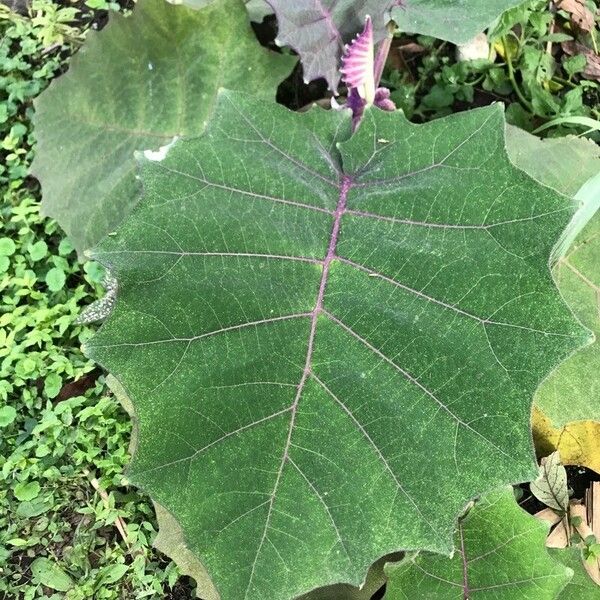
<point x="319" y="29"/>
<point x="571" y="392"/>
<point x="500" y="554"/>
<point x="457" y="21"/>
<point x="581" y="586"/>
<point x="311" y="325"/>
<point x="135" y="85"/>
<point x="570" y="165"/>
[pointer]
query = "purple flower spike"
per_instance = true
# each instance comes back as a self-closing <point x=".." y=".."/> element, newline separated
<point x="357" y="64"/>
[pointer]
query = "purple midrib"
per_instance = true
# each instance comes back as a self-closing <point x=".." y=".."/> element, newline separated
<point x="465" y="569"/>
<point x="345" y="185"/>
<point x="340" y="209"/>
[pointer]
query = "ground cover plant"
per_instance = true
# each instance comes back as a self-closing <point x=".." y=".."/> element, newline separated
<point x="328" y="327"/>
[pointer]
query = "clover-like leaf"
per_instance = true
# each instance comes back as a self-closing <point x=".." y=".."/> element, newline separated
<point x="500" y="554"/>
<point x="319" y="29"/>
<point x="457" y="21"/>
<point x="135" y="85"/>
<point x="311" y="325"/>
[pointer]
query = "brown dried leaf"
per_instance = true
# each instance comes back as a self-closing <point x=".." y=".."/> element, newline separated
<point x="581" y="15"/>
<point x="592" y="68"/>
<point x="558" y="537"/>
<point x="548" y="515"/>
<point x="592" y="501"/>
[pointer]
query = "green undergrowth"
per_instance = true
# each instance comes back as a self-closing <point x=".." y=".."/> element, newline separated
<point x="68" y="520"/>
<point x="527" y="65"/>
<point x="63" y="437"/>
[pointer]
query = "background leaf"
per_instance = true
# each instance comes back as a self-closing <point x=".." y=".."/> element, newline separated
<point x="578" y="442"/>
<point x="550" y="486"/>
<point x="571" y="392"/>
<point x="581" y="586"/>
<point x="564" y="163"/>
<point x="49" y="574"/>
<point x="298" y="329"/>
<point x="319" y="29"/>
<point x="500" y="554"/>
<point x="572" y="166"/>
<point x="171" y="62"/>
<point x="457" y="21"/>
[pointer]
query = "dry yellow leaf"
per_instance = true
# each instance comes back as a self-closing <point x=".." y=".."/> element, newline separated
<point x="578" y="443"/>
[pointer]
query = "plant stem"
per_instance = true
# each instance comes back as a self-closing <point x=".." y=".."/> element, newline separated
<point x="511" y="76"/>
<point x="382" y="53"/>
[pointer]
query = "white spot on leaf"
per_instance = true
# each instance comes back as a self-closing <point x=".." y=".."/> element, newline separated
<point x="160" y="154"/>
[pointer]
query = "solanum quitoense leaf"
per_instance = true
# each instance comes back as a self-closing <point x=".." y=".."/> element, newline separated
<point x="134" y="86"/>
<point x="500" y="554"/>
<point x="581" y="586"/>
<point x="309" y="325"/>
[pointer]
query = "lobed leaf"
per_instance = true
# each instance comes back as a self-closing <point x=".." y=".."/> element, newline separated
<point x="500" y="554"/>
<point x="89" y="122"/>
<point x="581" y="586"/>
<point x="310" y="325"/>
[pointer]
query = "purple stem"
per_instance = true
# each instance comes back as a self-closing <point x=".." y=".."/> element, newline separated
<point x="381" y="58"/>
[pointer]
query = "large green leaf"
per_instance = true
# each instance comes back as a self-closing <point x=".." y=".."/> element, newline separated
<point x="134" y="86"/>
<point x="500" y="555"/>
<point x="312" y="327"/>
<point x="457" y="21"/>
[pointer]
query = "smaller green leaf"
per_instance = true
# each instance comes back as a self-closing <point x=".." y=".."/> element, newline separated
<point x="581" y="587"/>
<point x="35" y="508"/>
<point x="7" y="247"/>
<point x="38" y="250"/>
<point x="551" y="485"/>
<point x="52" y="385"/>
<point x="113" y="573"/>
<point x="27" y="491"/>
<point x="48" y="573"/>
<point x="574" y="64"/>
<point x="500" y="556"/>
<point x="55" y="279"/>
<point x="7" y="415"/>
